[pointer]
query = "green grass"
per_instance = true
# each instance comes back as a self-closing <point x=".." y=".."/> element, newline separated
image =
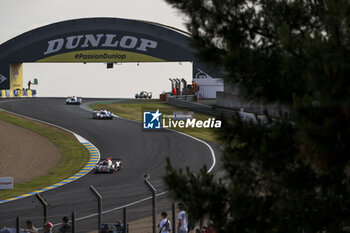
<point x="74" y="155"/>
<point x="133" y="110"/>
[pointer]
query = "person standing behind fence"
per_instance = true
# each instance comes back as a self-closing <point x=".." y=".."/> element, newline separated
<point x="30" y="227"/>
<point x="48" y="227"/>
<point x="164" y="224"/>
<point x="119" y="226"/>
<point x="182" y="217"/>
<point x="65" y="228"/>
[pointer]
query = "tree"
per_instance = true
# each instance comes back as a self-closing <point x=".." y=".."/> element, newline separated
<point x="281" y="176"/>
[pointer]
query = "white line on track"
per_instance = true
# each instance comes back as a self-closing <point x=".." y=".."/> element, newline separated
<point x="85" y="107"/>
<point x="144" y="199"/>
<point x="197" y="139"/>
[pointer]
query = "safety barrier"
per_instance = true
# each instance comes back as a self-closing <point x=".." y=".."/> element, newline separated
<point x="180" y="101"/>
<point x="186" y="97"/>
<point x="231" y="101"/>
<point x="17" y="93"/>
<point x="214" y="110"/>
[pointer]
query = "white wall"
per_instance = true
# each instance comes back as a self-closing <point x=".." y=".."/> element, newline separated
<point x="209" y="91"/>
<point x="94" y="80"/>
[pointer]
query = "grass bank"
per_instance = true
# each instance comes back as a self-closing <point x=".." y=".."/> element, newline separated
<point x="74" y="155"/>
<point x="133" y="110"/>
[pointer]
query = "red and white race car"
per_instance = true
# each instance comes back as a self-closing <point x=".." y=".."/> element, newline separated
<point x="108" y="166"/>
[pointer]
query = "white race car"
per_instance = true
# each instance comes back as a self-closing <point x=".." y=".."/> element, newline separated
<point x="102" y="114"/>
<point x="108" y="166"/>
<point x="73" y="100"/>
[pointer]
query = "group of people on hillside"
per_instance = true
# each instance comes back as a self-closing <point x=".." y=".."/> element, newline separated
<point x="48" y="227"/>
<point x="183" y="224"/>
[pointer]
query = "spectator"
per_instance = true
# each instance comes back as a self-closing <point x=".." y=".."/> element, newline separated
<point x="194" y="87"/>
<point x="30" y="227"/>
<point x="65" y="227"/>
<point x="210" y="228"/>
<point x="108" y="228"/>
<point x="182" y="217"/>
<point x="29" y="83"/>
<point x="119" y="226"/>
<point x="48" y="227"/>
<point x="164" y="224"/>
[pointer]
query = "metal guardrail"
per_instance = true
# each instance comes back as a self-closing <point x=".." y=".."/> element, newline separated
<point x="184" y="97"/>
<point x="214" y="110"/>
<point x="181" y="102"/>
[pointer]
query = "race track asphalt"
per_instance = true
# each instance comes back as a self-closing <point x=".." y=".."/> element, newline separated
<point x="142" y="153"/>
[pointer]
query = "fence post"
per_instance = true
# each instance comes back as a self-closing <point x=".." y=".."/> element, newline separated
<point x="99" y="206"/>
<point x="73" y="222"/>
<point x="17" y="224"/>
<point x="45" y="204"/>
<point x="125" y="221"/>
<point x="173" y="217"/>
<point x="154" y="201"/>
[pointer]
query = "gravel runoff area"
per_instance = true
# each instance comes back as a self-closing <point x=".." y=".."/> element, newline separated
<point x="25" y="155"/>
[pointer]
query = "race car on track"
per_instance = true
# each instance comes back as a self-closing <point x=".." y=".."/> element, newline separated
<point x="102" y="114"/>
<point x="73" y="100"/>
<point x="108" y="166"/>
<point x="143" y="95"/>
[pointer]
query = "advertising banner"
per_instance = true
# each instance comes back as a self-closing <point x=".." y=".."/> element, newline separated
<point x="6" y="183"/>
<point x="16" y="76"/>
<point x="102" y="40"/>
